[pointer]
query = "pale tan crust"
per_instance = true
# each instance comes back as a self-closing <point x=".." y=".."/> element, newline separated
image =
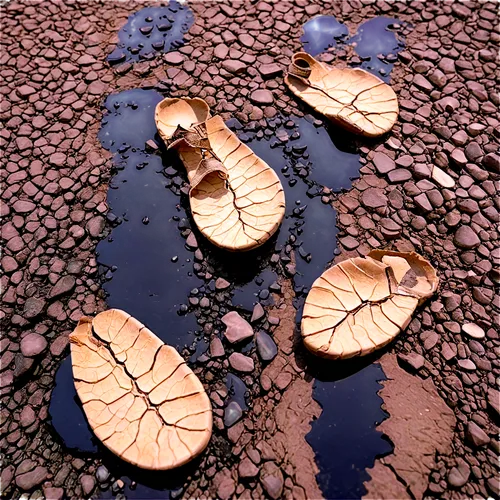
<point x="237" y="207"/>
<point x="140" y="398"/>
<point x="361" y="304"/>
<point x="353" y="98"/>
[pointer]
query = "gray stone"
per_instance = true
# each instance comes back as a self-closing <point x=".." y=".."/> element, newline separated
<point x="232" y="413"/>
<point x="265" y="346"/>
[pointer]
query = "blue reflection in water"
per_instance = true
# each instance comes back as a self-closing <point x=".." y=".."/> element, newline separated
<point x="321" y="33"/>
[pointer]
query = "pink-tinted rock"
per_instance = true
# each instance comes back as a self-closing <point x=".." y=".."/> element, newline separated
<point x="33" y="344"/>
<point x="237" y="328"/>
<point x="241" y="363"/>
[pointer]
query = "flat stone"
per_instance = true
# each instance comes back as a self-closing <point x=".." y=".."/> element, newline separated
<point x="476" y="435"/>
<point x="191" y="241"/>
<point x="62" y="287"/>
<point x="232" y="413"/>
<point x="442" y="178"/>
<point x="237" y="328"/>
<point x="270" y="70"/>
<point x="349" y="243"/>
<point x="173" y="58"/>
<point x="33" y="344"/>
<point x="95" y="226"/>
<point x="53" y="493"/>
<point x="23" y="207"/>
<point x="241" y="363"/>
<point x="422" y="202"/>
<point x="88" y="484"/>
<point x="271" y="479"/>
<point x="473" y="330"/>
<point x="216" y="348"/>
<point x="247" y="468"/>
<point x="466" y="364"/>
<point x="233" y="66"/>
<point x="399" y="175"/>
<point x="383" y="163"/>
<point x="374" y="198"/>
<point x="414" y="360"/>
<point x="465" y="237"/>
<point x="458" y="476"/>
<point x="33" y="307"/>
<point x="221" y="284"/>
<point x="31" y="479"/>
<point x="262" y="96"/>
<point x="25" y="90"/>
<point x="266" y="346"/>
<point x="258" y="313"/>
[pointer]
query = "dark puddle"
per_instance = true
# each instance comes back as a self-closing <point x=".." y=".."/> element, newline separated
<point x="149" y="272"/>
<point x="321" y="33"/>
<point x="376" y="42"/>
<point x="152" y="30"/>
<point x="344" y="437"/>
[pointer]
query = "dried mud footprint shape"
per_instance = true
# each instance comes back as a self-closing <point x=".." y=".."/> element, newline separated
<point x="140" y="398"/>
<point x="361" y="304"/>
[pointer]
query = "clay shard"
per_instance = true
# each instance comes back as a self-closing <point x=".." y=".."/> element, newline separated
<point x="361" y="304"/>
<point x="237" y="200"/>
<point x="140" y="398"/>
<point x="352" y="98"/>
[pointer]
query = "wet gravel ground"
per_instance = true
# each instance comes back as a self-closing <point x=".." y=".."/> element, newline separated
<point x="55" y="177"/>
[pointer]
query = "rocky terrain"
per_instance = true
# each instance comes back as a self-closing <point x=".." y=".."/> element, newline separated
<point x="55" y="176"/>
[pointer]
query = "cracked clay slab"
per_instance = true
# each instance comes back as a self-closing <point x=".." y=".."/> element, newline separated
<point x="237" y="200"/>
<point x="352" y="98"/>
<point x="361" y="304"/>
<point x="139" y="396"/>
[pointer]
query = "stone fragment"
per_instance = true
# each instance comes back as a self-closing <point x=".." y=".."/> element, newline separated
<point x="173" y="58"/>
<point x="270" y="70"/>
<point x="237" y="328"/>
<point x="221" y="284"/>
<point x="271" y="479"/>
<point x="383" y="163"/>
<point x="473" y="330"/>
<point x="258" y="313"/>
<point x="262" y="96"/>
<point x="266" y="347"/>
<point x="241" y="363"/>
<point x="442" y="178"/>
<point x="33" y="344"/>
<point x="476" y="435"/>
<point x="33" y="307"/>
<point x="374" y="198"/>
<point x="414" y="360"/>
<point x="88" y="484"/>
<point x="29" y="480"/>
<point x="63" y="286"/>
<point x="466" y="238"/>
<point x="232" y="413"/>
<point x="458" y="476"/>
<point x="247" y="468"/>
<point x="233" y="66"/>
<point x="216" y="348"/>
